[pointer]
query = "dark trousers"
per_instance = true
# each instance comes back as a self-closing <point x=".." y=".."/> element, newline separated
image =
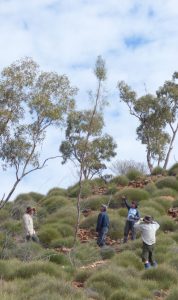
<point x="148" y="253"/>
<point x="129" y="227"/>
<point x="33" y="238"/>
<point x="102" y="236"/>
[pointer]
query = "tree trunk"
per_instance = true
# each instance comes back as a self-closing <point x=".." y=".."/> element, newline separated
<point x="170" y="147"/>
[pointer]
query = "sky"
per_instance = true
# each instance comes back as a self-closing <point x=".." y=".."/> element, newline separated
<point x="137" y="39"/>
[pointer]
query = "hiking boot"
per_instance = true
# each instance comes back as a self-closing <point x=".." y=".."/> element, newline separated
<point x="154" y="265"/>
<point x="147" y="266"/>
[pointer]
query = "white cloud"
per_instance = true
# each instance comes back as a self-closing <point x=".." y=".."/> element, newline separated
<point x="66" y="36"/>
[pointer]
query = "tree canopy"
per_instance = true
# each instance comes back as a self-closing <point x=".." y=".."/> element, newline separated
<point x="31" y="100"/>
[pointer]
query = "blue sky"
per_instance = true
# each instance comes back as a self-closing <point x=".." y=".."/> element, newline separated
<point x="138" y="40"/>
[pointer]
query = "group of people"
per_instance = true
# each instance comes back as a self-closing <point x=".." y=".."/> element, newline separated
<point x="147" y="227"/>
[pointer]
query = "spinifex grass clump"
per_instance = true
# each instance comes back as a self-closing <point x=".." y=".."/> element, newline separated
<point x="153" y="204"/>
<point x="167" y="223"/>
<point x="86" y="191"/>
<point x="164" y="275"/>
<point x="128" y="258"/>
<point x="169" y="182"/>
<point x="85" y="255"/>
<point x="47" y="234"/>
<point x="164" y="201"/>
<point x="173" y="171"/>
<point x="169" y="192"/>
<point x="120" y="180"/>
<point x="94" y="202"/>
<point x="52" y="203"/>
<point x="134" y="174"/>
<point x="104" y="281"/>
<point x="116" y="228"/>
<point x="89" y="222"/>
<point x="173" y="294"/>
<point x="131" y="194"/>
<point x="151" y="188"/>
<point x="57" y="192"/>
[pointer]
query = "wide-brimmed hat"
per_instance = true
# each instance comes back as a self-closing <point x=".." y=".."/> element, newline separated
<point x="148" y="219"/>
<point x="28" y="209"/>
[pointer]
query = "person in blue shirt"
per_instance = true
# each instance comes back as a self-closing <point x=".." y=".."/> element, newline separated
<point x="102" y="226"/>
<point x="132" y="217"/>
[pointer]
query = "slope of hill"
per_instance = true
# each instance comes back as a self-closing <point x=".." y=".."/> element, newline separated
<point x="54" y="270"/>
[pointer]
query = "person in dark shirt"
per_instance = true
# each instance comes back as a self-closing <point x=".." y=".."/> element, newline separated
<point x="132" y="217"/>
<point x="102" y="226"/>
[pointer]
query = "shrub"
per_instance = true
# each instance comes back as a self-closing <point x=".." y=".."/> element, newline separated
<point x="4" y="214"/>
<point x="89" y="222"/>
<point x="164" y="201"/>
<point x="66" y="214"/>
<point x="27" y="251"/>
<point x="8" y="268"/>
<point x="59" y="242"/>
<point x="82" y="255"/>
<point x="173" y="171"/>
<point x="54" y="202"/>
<point x="58" y="258"/>
<point x="85" y="192"/>
<point x="169" y="182"/>
<point x="116" y="228"/>
<point x="120" y="180"/>
<point x="151" y="188"/>
<point x="101" y="288"/>
<point x="107" y="252"/>
<point x="94" y="202"/>
<point x="65" y="230"/>
<point x="12" y="227"/>
<point x="165" y="192"/>
<point x="121" y="167"/>
<point x="131" y="193"/>
<point x="175" y="203"/>
<point x="57" y="192"/>
<point x="173" y="294"/>
<point x="112" y="189"/>
<point x="48" y="233"/>
<point x="26" y="197"/>
<point x="83" y="275"/>
<point x="133" y="174"/>
<point x="155" y="205"/>
<point x="164" y="275"/>
<point x="36" y="196"/>
<point x="27" y="270"/>
<point x="110" y="276"/>
<point x="128" y="258"/>
<point x="123" y="294"/>
<point x="167" y="223"/>
<point x="123" y="212"/>
<point x="158" y="171"/>
<point x="149" y="211"/>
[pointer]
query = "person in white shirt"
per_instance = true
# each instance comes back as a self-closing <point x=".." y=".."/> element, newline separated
<point x="148" y="227"/>
<point x="28" y="225"/>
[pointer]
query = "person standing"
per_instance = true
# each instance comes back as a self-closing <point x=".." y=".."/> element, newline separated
<point x="28" y="225"/>
<point x="148" y="227"/>
<point x="102" y="225"/>
<point x="132" y="217"/>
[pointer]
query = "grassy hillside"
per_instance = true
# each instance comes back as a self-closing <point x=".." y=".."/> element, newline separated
<point x="52" y="270"/>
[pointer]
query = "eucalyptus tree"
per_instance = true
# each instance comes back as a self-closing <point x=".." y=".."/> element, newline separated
<point x="168" y="96"/>
<point x="84" y="143"/>
<point x="153" y="115"/>
<point x="98" y="149"/>
<point x="31" y="101"/>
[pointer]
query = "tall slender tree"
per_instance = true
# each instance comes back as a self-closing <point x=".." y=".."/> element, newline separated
<point x="30" y="102"/>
